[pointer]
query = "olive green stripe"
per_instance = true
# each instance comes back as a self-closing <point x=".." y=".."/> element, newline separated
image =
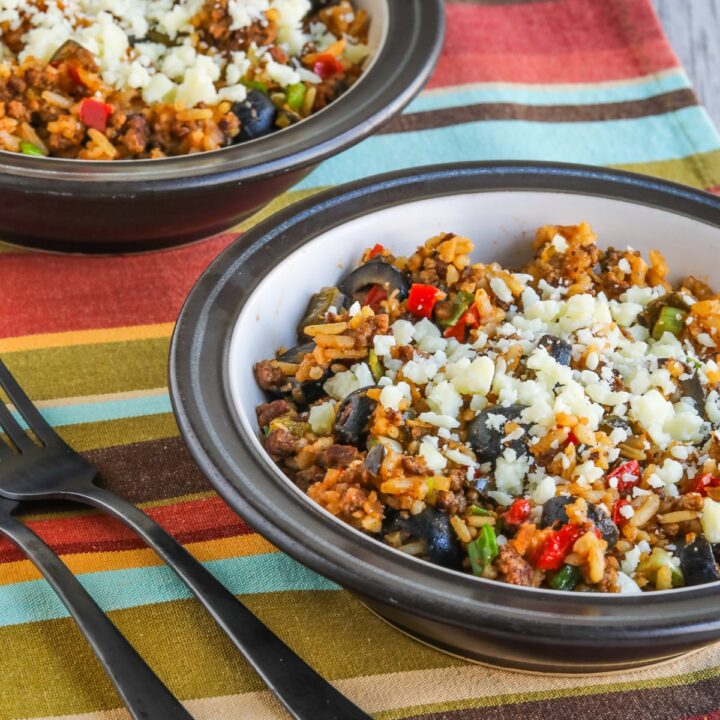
<point x="93" y="436"/>
<point x="47" y="668"/>
<point x="701" y="170"/>
<point x="83" y="370"/>
<point x="280" y="202"/>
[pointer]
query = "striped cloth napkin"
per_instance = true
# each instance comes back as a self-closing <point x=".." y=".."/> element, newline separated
<point x="589" y="81"/>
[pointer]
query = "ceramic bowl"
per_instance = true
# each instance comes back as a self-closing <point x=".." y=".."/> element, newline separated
<point x="131" y="205"/>
<point x="248" y="303"/>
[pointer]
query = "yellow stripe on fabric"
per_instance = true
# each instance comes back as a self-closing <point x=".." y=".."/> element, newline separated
<point x="700" y="171"/>
<point x="48" y="669"/>
<point x="45" y="341"/>
<point x="90" y="562"/>
<point x="280" y="202"/>
<point x="95" y="436"/>
<point x="396" y="695"/>
<point x="73" y="370"/>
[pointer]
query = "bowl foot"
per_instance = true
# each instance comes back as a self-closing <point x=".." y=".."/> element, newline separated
<point x="509" y="661"/>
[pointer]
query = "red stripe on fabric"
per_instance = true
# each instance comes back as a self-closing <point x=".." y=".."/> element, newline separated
<point x="551" y="27"/>
<point x="193" y="521"/>
<point x="50" y="293"/>
<point x="580" y="67"/>
<point x="569" y="41"/>
<point x="709" y="716"/>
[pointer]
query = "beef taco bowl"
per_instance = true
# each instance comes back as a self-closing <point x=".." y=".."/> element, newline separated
<point x="496" y="423"/>
<point x="170" y="120"/>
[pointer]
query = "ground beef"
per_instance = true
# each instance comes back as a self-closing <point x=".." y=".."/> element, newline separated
<point x="355" y="474"/>
<point x="375" y="325"/>
<point x="452" y="503"/>
<point x="515" y="569"/>
<point x="281" y="444"/>
<point x="268" y="376"/>
<point x="137" y="134"/>
<point x="267" y="412"/>
<point x="415" y="465"/>
<point x="305" y="478"/>
<point x="338" y="456"/>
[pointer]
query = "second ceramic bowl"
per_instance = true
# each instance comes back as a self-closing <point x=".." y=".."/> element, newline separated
<point x="248" y="303"/>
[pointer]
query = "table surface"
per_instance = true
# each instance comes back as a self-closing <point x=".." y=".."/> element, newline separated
<point x="693" y="27"/>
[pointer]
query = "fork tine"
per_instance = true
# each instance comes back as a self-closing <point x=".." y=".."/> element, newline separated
<point x="13" y="430"/>
<point x="5" y="451"/>
<point x="25" y="407"/>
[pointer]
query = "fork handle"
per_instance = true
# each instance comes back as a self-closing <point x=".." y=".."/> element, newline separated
<point x="304" y="693"/>
<point x="141" y="690"/>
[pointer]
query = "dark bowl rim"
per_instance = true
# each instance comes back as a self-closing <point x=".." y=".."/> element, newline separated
<point x="411" y="45"/>
<point x="248" y="480"/>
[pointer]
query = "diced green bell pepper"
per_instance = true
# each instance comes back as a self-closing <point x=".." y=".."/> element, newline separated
<point x="483" y="549"/>
<point x="671" y="320"/>
<point x="566" y="578"/>
<point x="477" y="510"/>
<point x="299" y="429"/>
<point x="27" y="148"/>
<point x="296" y="96"/>
<point x="463" y="300"/>
<point x="255" y="85"/>
<point x="376" y="367"/>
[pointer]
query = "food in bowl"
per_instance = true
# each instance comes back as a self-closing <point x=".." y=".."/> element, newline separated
<point x="547" y="428"/>
<point x="96" y="80"/>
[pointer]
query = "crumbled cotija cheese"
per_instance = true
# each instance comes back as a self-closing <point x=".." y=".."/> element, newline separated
<point x="163" y="74"/>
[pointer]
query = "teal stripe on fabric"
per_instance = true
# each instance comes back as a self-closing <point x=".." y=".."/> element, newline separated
<point x="35" y="601"/>
<point x="103" y="411"/>
<point x="617" y="142"/>
<point x="549" y="94"/>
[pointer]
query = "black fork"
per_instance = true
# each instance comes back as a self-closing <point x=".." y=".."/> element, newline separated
<point x="141" y="690"/>
<point x="55" y="471"/>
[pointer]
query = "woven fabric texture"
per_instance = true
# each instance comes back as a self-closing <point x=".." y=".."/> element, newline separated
<point x="591" y="81"/>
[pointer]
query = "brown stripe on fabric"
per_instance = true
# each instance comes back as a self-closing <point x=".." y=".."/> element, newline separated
<point x="146" y="471"/>
<point x="661" y="703"/>
<point x="429" y="119"/>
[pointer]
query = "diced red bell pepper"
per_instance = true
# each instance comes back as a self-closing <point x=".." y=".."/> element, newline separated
<point x="95" y="114"/>
<point x="326" y="66"/>
<point x="624" y="483"/>
<point x="472" y="316"/>
<point x="572" y="438"/>
<point x="421" y="299"/>
<point x="469" y="319"/>
<point x="518" y="512"/>
<point x="558" y="546"/>
<point x="457" y="330"/>
<point x="617" y="517"/>
<point x="702" y="483"/>
<point x="375" y="296"/>
<point x="376" y="250"/>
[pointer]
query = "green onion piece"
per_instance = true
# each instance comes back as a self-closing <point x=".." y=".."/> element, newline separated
<point x="483" y="549"/>
<point x="27" y="148"/>
<point x="477" y="510"/>
<point x="255" y="85"/>
<point x="376" y="367"/>
<point x="296" y="96"/>
<point x="463" y="300"/>
<point x="566" y="579"/>
<point x="671" y="320"/>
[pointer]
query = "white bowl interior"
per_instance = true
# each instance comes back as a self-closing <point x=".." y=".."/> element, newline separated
<point x="501" y="225"/>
